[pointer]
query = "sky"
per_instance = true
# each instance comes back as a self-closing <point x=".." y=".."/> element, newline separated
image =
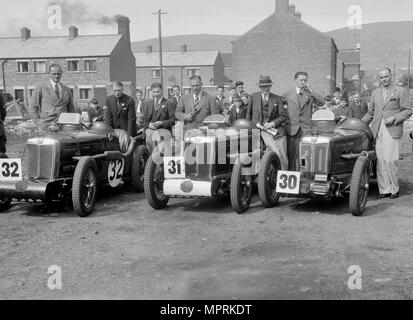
<point x="229" y="17"/>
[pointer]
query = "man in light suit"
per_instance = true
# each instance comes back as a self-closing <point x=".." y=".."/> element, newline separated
<point x="120" y="110"/>
<point x="51" y="99"/>
<point x="159" y="116"/>
<point x="269" y="110"/>
<point x="301" y="102"/>
<point x="195" y="106"/>
<point x="389" y="107"/>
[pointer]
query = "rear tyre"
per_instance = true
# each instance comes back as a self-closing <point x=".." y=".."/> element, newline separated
<point x="153" y="185"/>
<point x="139" y="158"/>
<point x="267" y="179"/>
<point x="359" y="186"/>
<point x="241" y="189"/>
<point x="84" y="188"/>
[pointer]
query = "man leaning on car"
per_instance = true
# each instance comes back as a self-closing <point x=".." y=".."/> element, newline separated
<point x="51" y="99"/>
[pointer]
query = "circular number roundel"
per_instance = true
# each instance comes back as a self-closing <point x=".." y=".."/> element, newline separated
<point x="115" y="172"/>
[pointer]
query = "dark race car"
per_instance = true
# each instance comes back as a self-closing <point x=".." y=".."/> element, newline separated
<point x="214" y="161"/>
<point x="71" y="161"/>
<point x="335" y="159"/>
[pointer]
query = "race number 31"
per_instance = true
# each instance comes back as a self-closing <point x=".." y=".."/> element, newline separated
<point x="288" y="182"/>
<point x="174" y="167"/>
<point x="10" y="169"/>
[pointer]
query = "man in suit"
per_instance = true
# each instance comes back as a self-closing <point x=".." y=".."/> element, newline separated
<point x="159" y="117"/>
<point x="51" y="99"/>
<point x="301" y="101"/>
<point x="269" y="110"/>
<point x="239" y="111"/>
<point x="3" y="113"/>
<point x="239" y="85"/>
<point x="120" y="110"/>
<point x="389" y="107"/>
<point x="337" y="95"/>
<point x="195" y="106"/>
<point x="139" y="109"/>
<point x="176" y="94"/>
<point x="221" y="102"/>
<point x="358" y="108"/>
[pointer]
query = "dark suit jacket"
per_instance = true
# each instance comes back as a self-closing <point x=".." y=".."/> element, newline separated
<point x="358" y="111"/>
<point x="166" y="115"/>
<point x="46" y="106"/>
<point x="301" y="117"/>
<point x="206" y="107"/>
<point x="125" y="117"/>
<point x="221" y="104"/>
<point x="397" y="104"/>
<point x="233" y="116"/>
<point x="276" y="110"/>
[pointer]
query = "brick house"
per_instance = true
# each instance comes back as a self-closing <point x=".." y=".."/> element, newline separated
<point x="89" y="62"/>
<point x="348" y="70"/>
<point x="178" y="67"/>
<point x="280" y="46"/>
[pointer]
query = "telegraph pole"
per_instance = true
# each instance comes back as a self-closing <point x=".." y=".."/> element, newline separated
<point x="408" y="71"/>
<point x="159" y="13"/>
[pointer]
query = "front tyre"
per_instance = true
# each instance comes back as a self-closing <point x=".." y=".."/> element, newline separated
<point x="4" y="204"/>
<point x="139" y="159"/>
<point x="241" y="189"/>
<point x="153" y="185"/>
<point x="267" y="179"/>
<point x="359" y="186"/>
<point x="84" y="188"/>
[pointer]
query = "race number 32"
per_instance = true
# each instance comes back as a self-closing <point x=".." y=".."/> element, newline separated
<point x="288" y="182"/>
<point x="115" y="172"/>
<point x="10" y="169"/>
<point x="174" y="167"/>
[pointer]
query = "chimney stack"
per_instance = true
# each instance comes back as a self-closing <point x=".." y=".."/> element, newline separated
<point x="25" y="33"/>
<point x="73" y="32"/>
<point x="291" y="9"/>
<point x="123" y="27"/>
<point x="282" y="6"/>
<point x="149" y="49"/>
<point x="184" y="48"/>
<point x="298" y="15"/>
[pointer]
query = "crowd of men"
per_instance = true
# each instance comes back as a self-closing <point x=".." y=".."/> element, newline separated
<point x="290" y="114"/>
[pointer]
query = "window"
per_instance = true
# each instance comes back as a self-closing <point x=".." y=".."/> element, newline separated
<point x="85" y="93"/>
<point x="156" y="73"/>
<point x="31" y="92"/>
<point x="19" y="94"/>
<point x="40" y="66"/>
<point x="90" y="65"/>
<point x="73" y="65"/>
<point x="23" y="66"/>
<point x="193" y="72"/>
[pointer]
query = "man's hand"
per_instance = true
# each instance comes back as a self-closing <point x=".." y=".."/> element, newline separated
<point x="389" y="121"/>
<point x="152" y="126"/>
<point x="269" y="125"/>
<point x="341" y="119"/>
<point x="158" y="124"/>
<point x="189" y="117"/>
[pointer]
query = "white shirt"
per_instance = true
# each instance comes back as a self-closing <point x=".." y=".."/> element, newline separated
<point x="199" y="96"/>
<point x="59" y="86"/>
<point x="139" y="106"/>
<point x="265" y="97"/>
<point x="298" y="90"/>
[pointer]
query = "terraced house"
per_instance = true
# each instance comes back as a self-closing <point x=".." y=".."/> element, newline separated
<point x="90" y="62"/>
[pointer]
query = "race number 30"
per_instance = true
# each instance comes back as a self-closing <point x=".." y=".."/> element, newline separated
<point x="174" y="167"/>
<point x="288" y="182"/>
<point x="115" y="172"/>
<point x="10" y="169"/>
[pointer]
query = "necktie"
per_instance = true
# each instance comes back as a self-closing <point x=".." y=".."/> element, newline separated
<point x="118" y="104"/>
<point x="384" y="93"/>
<point x="56" y="89"/>
<point x="157" y="104"/>
<point x="301" y="92"/>
<point x="196" y="102"/>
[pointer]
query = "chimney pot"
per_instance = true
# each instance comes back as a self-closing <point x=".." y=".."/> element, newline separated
<point x="25" y="33"/>
<point x="149" y="49"/>
<point x="298" y="15"/>
<point x="123" y="27"/>
<point x="184" y="48"/>
<point x="291" y="9"/>
<point x="73" y="32"/>
<point x="282" y="6"/>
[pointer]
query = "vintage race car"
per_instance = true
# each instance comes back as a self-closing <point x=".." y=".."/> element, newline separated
<point x="335" y="159"/>
<point x="213" y="161"/>
<point x="72" y="160"/>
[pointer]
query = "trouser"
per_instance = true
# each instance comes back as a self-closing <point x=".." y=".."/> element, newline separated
<point x="293" y="146"/>
<point x="3" y="142"/>
<point x="279" y="146"/>
<point x="388" y="153"/>
<point x="159" y="137"/>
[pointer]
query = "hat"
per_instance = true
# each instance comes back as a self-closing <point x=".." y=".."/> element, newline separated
<point x="265" y="81"/>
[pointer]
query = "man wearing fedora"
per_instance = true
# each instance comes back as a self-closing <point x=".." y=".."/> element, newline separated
<point x="301" y="100"/>
<point x="269" y="110"/>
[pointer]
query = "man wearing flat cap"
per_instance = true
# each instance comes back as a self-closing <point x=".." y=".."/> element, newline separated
<point x="269" y="110"/>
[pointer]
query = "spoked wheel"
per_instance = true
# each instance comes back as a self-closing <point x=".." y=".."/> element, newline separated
<point x="153" y="185"/>
<point x="84" y="188"/>
<point x="359" y="186"/>
<point x="241" y="189"/>
<point x="267" y="179"/>
<point x="4" y="204"/>
<point x="139" y="158"/>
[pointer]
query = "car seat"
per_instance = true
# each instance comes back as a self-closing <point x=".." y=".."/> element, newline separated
<point x="123" y="138"/>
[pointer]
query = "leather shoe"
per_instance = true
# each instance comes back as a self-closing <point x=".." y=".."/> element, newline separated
<point x="394" y="196"/>
<point x="384" y="195"/>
